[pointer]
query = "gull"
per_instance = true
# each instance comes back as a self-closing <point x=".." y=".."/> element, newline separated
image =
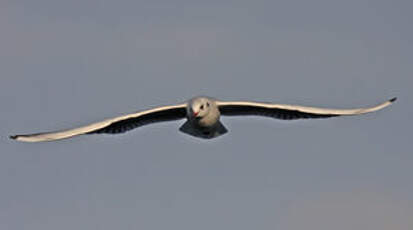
<point x="203" y="117"/>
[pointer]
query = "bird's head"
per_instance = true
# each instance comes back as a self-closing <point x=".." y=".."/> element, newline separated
<point x="199" y="107"/>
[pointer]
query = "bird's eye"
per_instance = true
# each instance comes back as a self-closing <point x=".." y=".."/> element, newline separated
<point x="202" y="107"/>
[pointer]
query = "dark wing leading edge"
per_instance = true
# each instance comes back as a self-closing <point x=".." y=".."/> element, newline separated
<point x="114" y="125"/>
<point x="289" y="112"/>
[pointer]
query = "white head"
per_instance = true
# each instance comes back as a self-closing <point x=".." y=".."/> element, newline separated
<point x="199" y="107"/>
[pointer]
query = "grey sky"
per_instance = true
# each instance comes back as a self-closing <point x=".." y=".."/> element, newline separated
<point x="67" y="63"/>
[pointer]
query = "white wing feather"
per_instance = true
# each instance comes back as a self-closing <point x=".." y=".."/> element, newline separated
<point x="306" y="109"/>
<point x="51" y="136"/>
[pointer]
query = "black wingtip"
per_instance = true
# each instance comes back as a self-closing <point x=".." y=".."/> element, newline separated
<point x="13" y="137"/>
<point x="393" y="99"/>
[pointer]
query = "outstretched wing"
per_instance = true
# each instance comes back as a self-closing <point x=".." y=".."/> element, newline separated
<point x="114" y="125"/>
<point x="289" y="112"/>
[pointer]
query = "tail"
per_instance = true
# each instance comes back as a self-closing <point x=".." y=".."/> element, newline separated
<point x="205" y="133"/>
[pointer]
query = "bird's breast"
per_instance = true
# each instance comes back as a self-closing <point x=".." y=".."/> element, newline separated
<point x="209" y="120"/>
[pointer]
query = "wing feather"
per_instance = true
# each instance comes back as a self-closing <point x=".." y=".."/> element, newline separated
<point x="114" y="125"/>
<point x="290" y="112"/>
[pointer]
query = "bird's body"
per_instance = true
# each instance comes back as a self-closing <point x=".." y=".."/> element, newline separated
<point x="203" y="111"/>
<point x="203" y="117"/>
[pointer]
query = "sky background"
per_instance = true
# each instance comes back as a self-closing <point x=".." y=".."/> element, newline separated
<point x="68" y="63"/>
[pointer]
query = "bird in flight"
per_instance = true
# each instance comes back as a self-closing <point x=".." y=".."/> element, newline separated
<point x="203" y="117"/>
